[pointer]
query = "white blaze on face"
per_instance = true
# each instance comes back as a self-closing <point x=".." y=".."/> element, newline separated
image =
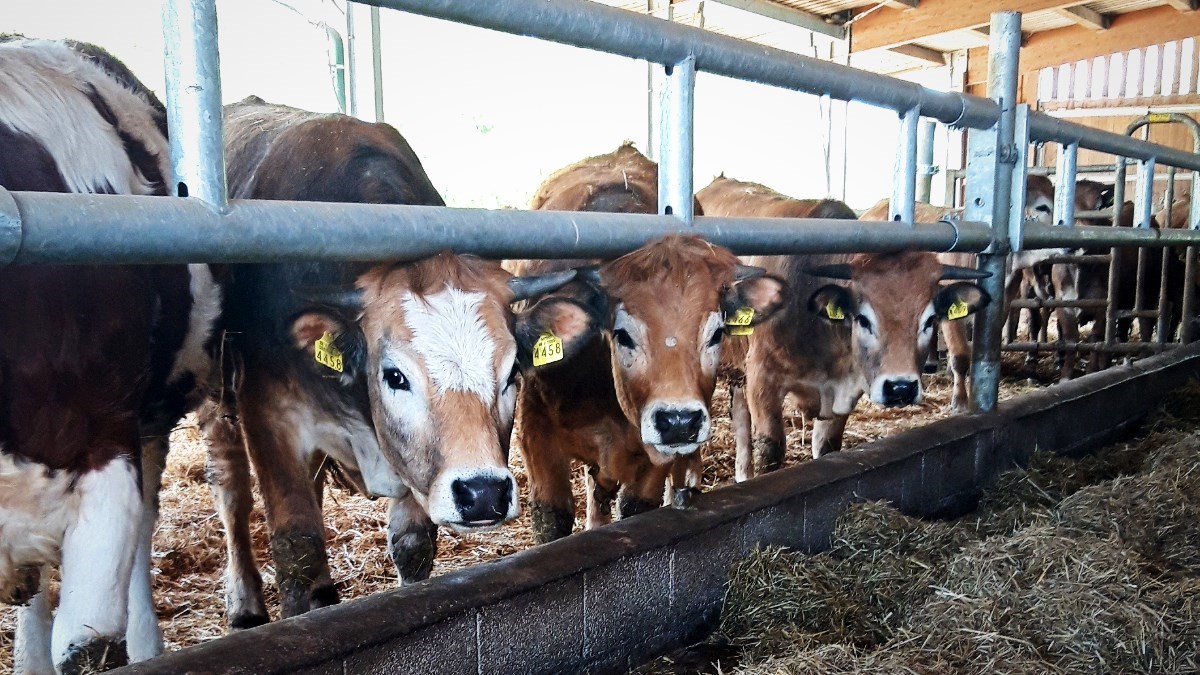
<point x="633" y="358"/>
<point x="710" y="350"/>
<point x="450" y="335"/>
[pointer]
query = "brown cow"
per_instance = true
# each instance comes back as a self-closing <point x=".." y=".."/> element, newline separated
<point x="829" y="344"/>
<point x="97" y="364"/>
<point x="403" y="374"/>
<point x="634" y="410"/>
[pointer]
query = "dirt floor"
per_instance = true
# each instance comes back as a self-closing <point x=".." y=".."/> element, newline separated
<point x="189" y="547"/>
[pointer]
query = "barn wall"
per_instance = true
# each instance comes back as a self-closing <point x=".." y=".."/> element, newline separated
<point x="605" y="600"/>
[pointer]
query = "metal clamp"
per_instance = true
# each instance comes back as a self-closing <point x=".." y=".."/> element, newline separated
<point x="10" y="228"/>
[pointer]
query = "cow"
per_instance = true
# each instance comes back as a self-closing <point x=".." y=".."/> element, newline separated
<point x="404" y="375"/>
<point x="633" y="405"/>
<point x="831" y="343"/>
<point x="97" y="364"/>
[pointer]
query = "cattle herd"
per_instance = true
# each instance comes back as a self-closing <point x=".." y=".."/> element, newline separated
<point x="401" y="379"/>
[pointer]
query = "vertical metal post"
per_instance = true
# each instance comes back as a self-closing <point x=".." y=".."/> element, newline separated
<point x="1016" y="211"/>
<point x="926" y="169"/>
<point x="1187" y="329"/>
<point x="377" y="62"/>
<point x="193" y="75"/>
<point x="1146" y="193"/>
<point x="1165" y="259"/>
<point x="1064" y="191"/>
<point x="990" y="163"/>
<point x="675" y="193"/>
<point x="904" y="186"/>
<point x="351" y="71"/>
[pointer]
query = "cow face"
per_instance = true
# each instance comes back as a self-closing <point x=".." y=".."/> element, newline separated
<point x="438" y="359"/>
<point x="666" y="308"/>
<point x="892" y="305"/>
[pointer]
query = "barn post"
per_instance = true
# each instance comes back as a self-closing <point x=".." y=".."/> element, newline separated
<point x="675" y="193"/>
<point x="193" y="73"/>
<point x="991" y="157"/>
<point x="904" y="187"/>
<point x="1064" y="190"/>
<point x="926" y="169"/>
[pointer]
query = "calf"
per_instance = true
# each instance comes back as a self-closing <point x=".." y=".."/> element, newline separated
<point x="634" y="407"/>
<point x="830" y="344"/>
<point x="96" y="366"/>
<point x="405" y="375"/>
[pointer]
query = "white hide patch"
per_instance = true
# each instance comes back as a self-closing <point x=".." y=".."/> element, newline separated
<point x="347" y="439"/>
<point x="630" y="359"/>
<point x="450" y="335"/>
<point x="35" y="510"/>
<point x="43" y="85"/>
<point x="710" y="354"/>
<point x="206" y="308"/>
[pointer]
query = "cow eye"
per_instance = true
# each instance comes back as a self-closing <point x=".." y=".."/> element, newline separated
<point x="1043" y="208"/>
<point x="863" y="321"/>
<point x="512" y="377"/>
<point x="930" y="322"/>
<point x="716" y="338"/>
<point x="395" y="380"/>
<point x="623" y="338"/>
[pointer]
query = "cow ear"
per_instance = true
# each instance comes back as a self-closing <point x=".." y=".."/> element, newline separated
<point x="553" y="331"/>
<point x="333" y="346"/>
<point x="762" y="294"/>
<point x="832" y="303"/>
<point x="960" y="300"/>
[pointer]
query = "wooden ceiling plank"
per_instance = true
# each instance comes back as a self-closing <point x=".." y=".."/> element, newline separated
<point x="796" y="17"/>
<point x="1127" y="31"/>
<point x="888" y="27"/>
<point x="1085" y="16"/>
<point x="1184" y="5"/>
<point x="922" y="53"/>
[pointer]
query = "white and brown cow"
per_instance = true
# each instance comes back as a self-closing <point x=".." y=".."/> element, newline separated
<point x="96" y="365"/>
<point x="634" y="408"/>
<point x="405" y="375"/>
<point x="831" y="343"/>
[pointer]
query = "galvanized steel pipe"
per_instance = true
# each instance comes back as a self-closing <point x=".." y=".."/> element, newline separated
<point x="676" y="195"/>
<point x="904" y="183"/>
<point x="609" y="29"/>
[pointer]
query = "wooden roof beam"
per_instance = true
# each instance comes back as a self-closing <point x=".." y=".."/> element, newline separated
<point x="1086" y="17"/>
<point x="786" y="14"/>
<point x="888" y="27"/>
<point x="918" y="52"/>
<point x="902" y="4"/>
<point x="1184" y="5"/>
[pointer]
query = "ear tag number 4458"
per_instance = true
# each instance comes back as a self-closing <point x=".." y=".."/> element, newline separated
<point x="326" y="354"/>
<point x="957" y="310"/>
<point x="739" y="323"/>
<point x="547" y="349"/>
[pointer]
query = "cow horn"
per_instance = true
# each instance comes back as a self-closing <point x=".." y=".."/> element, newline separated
<point x="744" y="272"/>
<point x="837" y="271"/>
<point x="956" y="273"/>
<point x="524" y="288"/>
<point x="333" y="296"/>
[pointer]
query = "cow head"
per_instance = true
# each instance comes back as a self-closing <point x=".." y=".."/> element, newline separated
<point x="665" y="306"/>
<point x="433" y="344"/>
<point x="893" y="304"/>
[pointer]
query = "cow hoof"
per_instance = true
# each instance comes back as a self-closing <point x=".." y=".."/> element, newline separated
<point x="25" y="584"/>
<point x="550" y="523"/>
<point x="323" y="596"/>
<point x="413" y="554"/>
<point x="768" y="455"/>
<point x="244" y="620"/>
<point x="683" y="497"/>
<point x="93" y="656"/>
<point x="631" y="506"/>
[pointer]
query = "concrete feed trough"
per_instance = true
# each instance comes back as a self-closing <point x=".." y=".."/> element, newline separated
<point x="610" y="599"/>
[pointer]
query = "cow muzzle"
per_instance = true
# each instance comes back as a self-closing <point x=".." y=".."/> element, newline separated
<point x="896" y="390"/>
<point x="675" y="428"/>
<point x="472" y="500"/>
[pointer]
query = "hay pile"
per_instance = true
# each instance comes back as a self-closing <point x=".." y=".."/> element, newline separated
<point x="1071" y="566"/>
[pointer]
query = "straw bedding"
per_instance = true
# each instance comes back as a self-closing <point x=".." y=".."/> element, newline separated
<point x="1085" y="565"/>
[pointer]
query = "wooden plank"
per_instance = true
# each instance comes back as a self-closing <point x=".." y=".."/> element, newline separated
<point x="888" y="27"/>
<point x="1127" y="31"/>
<point x="1102" y="64"/>
<point x="1176" y="69"/>
<point x="1086" y="17"/>
<point x="1183" y="5"/>
<point x="902" y="4"/>
<point x="923" y="53"/>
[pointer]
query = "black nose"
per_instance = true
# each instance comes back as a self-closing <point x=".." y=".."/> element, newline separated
<point x="483" y="498"/>
<point x="678" y="426"/>
<point x="900" y="392"/>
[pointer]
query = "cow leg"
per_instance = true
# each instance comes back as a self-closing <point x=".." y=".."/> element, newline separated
<point x="601" y="492"/>
<point x="229" y="479"/>
<point x="685" y="479"/>
<point x="827" y="435"/>
<point x="143" y="636"/>
<point x="764" y="399"/>
<point x="97" y="556"/>
<point x="412" y="539"/>
<point x="958" y="352"/>
<point x="646" y="493"/>
<point x="324" y="592"/>
<point x="739" y="413"/>
<point x="31" y="645"/>
<point x="1068" y="331"/>
<point x="551" y="504"/>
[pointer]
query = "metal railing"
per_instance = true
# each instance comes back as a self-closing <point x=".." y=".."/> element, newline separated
<point x="43" y="228"/>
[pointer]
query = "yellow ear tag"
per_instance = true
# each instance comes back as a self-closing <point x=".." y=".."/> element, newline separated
<point x="547" y="349"/>
<point x="326" y="354"/>
<point x="958" y="310"/>
<point x="739" y="323"/>
<point x="834" y="312"/>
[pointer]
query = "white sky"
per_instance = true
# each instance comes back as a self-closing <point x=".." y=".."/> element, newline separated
<point x="490" y="114"/>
